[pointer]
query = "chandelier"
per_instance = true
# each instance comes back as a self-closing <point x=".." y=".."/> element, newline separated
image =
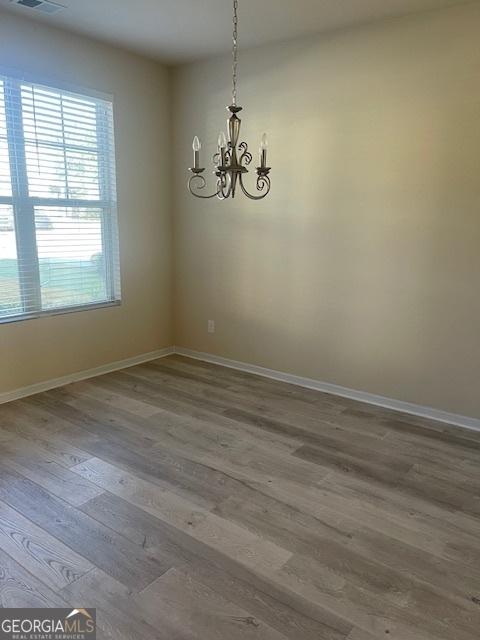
<point x="231" y="159"/>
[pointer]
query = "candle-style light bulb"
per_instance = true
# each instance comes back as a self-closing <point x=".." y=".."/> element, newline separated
<point x="222" y="140"/>
<point x="222" y="145"/>
<point x="196" y="152"/>
<point x="263" y="151"/>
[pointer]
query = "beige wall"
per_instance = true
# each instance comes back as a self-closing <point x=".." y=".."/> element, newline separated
<point x="37" y="350"/>
<point x="362" y="268"/>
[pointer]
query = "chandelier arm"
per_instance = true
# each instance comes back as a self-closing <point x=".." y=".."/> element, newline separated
<point x="246" y="157"/>
<point x="221" y="185"/>
<point x="202" y="185"/>
<point x="226" y="194"/>
<point x="263" y="182"/>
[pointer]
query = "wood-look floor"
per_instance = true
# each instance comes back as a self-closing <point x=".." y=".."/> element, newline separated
<point x="188" y="501"/>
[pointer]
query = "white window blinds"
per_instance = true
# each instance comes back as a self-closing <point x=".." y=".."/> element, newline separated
<point x="58" y="226"/>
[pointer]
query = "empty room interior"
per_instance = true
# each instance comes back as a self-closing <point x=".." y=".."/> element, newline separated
<point x="239" y="320"/>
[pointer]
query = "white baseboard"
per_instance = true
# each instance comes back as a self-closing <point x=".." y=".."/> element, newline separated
<point x="309" y="383"/>
<point x="336" y="390"/>
<point x="46" y="385"/>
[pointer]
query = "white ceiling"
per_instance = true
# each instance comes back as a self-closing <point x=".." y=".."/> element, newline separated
<point x="182" y="30"/>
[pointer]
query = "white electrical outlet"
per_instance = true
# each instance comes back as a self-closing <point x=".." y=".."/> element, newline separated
<point x="211" y="326"/>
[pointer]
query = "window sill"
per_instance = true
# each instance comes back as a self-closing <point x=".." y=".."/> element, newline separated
<point x="59" y="312"/>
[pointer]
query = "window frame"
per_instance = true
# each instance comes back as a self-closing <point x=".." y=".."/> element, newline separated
<point x="23" y="205"/>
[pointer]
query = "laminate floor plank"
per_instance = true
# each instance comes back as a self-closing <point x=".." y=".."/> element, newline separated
<point x="167" y="465"/>
<point x="192" y="437"/>
<point x="411" y="479"/>
<point x="200" y="483"/>
<point x="282" y="409"/>
<point x="285" y="611"/>
<point x="325" y="435"/>
<point x="155" y="390"/>
<point x="349" y="413"/>
<point x="47" y="473"/>
<point x="182" y="606"/>
<point x="258" y="386"/>
<point x="383" y="468"/>
<point x="432" y="520"/>
<point x="49" y="447"/>
<point x="407" y="572"/>
<point x="233" y="540"/>
<point x="342" y="573"/>
<point x="167" y="409"/>
<point x="95" y="426"/>
<point x="112" y="399"/>
<point x="188" y="501"/>
<point x="264" y="473"/>
<point x="451" y="577"/>
<point x="425" y="454"/>
<point x="21" y="417"/>
<point x="45" y="557"/>
<point x="117" y="615"/>
<point x="285" y="525"/>
<point x="19" y="588"/>
<point x="261" y="464"/>
<point x="184" y="404"/>
<point x="358" y="634"/>
<point x="437" y="434"/>
<point x="314" y="422"/>
<point x="359" y="607"/>
<point x="164" y="424"/>
<point x="342" y="407"/>
<point x="99" y="545"/>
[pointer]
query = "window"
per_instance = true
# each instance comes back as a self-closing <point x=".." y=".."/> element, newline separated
<point x="58" y="227"/>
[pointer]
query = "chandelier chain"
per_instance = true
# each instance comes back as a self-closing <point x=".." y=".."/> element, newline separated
<point x="235" y="52"/>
